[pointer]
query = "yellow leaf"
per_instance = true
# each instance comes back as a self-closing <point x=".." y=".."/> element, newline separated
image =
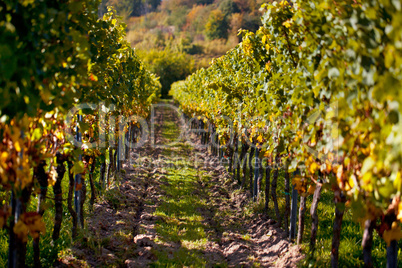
<point x="393" y="234"/>
<point x="287" y="23"/>
<point x="368" y="186"/>
<point x="259" y="138"/>
<point x="3" y="159"/>
<point x="346" y="161"/>
<point x="296" y="179"/>
<point x="399" y="216"/>
<point x="351" y="183"/>
<point x="17" y="146"/>
<point x="339" y="173"/>
<point x="328" y="165"/>
<point x="25" y="3"/>
<point x="264" y="39"/>
<point x="268" y="68"/>
<point x="313" y="167"/>
<point x="313" y="141"/>
<point x="21" y="230"/>
<point x="300" y="186"/>
<point x="78" y="186"/>
<point x="78" y="168"/>
<point x="93" y="77"/>
<point x="311" y="189"/>
<point x="60" y="135"/>
<point x="52" y="176"/>
<point x="37" y="226"/>
<point x="324" y="5"/>
<point x="29" y="223"/>
<point x="398" y="181"/>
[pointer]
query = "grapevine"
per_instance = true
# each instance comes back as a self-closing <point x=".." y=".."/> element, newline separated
<point x="56" y="56"/>
<point x="315" y="88"/>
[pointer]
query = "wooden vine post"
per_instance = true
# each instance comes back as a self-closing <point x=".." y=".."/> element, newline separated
<point x="250" y="168"/>
<point x="273" y="190"/>
<point x="92" y="166"/>
<point x="236" y="159"/>
<point x="392" y="254"/>
<point x="16" y="256"/>
<point x="267" y="186"/>
<point x="42" y="178"/>
<point x="314" y="216"/>
<point x="126" y="142"/>
<point x="16" y="246"/>
<point x="287" y="201"/>
<point x="367" y="242"/>
<point x="392" y="246"/>
<point x="256" y="174"/>
<point x="340" y="200"/>
<point x="58" y="196"/>
<point x="302" y="213"/>
<point x="78" y="183"/>
<point x="243" y="160"/>
<point x="293" y="211"/>
<point x="71" y="189"/>
<point x="118" y="159"/>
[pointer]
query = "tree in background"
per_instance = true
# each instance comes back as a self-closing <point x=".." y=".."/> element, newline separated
<point x="228" y="7"/>
<point x="169" y="65"/>
<point x="247" y="5"/>
<point x="251" y="21"/>
<point x="203" y="29"/>
<point x="153" y="4"/>
<point x="217" y="26"/>
<point x="171" y="5"/>
<point x="129" y="8"/>
<point x="197" y="18"/>
<point x="236" y="22"/>
<point x="178" y="17"/>
<point x="204" y="2"/>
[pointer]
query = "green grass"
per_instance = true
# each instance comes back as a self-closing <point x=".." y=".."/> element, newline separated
<point x="181" y="222"/>
<point x="180" y="218"/>
<point x="350" y="250"/>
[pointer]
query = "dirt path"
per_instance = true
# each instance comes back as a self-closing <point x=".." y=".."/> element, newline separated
<point x="177" y="207"/>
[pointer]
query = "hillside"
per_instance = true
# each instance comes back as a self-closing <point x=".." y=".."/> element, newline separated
<point x="176" y="37"/>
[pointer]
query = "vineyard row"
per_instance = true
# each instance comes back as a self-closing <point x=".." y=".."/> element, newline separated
<point x="316" y="89"/>
<point x="57" y="55"/>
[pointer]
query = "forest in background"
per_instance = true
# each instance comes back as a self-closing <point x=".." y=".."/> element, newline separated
<point x="176" y="37"/>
